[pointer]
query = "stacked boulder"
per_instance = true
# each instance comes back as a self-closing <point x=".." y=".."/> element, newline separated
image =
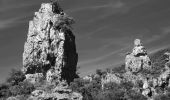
<point x="138" y="59"/>
<point x="137" y="63"/>
<point x="50" y="49"/>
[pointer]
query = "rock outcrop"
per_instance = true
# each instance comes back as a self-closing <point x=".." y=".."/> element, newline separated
<point x="138" y="59"/>
<point x="110" y="77"/>
<point x="50" y="56"/>
<point x="61" y="92"/>
<point x="50" y="48"/>
<point x="137" y="63"/>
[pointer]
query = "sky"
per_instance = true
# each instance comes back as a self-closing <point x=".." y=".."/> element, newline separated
<point x="104" y="30"/>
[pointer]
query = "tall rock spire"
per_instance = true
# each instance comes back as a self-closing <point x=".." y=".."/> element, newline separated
<point x="50" y="49"/>
<point x="138" y="59"/>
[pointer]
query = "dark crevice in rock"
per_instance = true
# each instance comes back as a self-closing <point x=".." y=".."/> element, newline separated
<point x="140" y="54"/>
<point x="52" y="59"/>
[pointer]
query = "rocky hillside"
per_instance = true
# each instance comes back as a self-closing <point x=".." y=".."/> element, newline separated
<point x="141" y="78"/>
<point x="50" y="64"/>
<point x="159" y="59"/>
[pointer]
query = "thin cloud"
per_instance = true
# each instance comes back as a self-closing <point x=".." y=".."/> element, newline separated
<point x="101" y="57"/>
<point x="163" y="33"/>
<point x="7" y="23"/>
<point x="166" y="30"/>
<point x="23" y="5"/>
<point x="109" y="6"/>
<point x="88" y="35"/>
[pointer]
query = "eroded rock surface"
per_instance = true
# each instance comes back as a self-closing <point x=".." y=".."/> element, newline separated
<point x="138" y="59"/>
<point x="61" y="92"/>
<point x="50" y="47"/>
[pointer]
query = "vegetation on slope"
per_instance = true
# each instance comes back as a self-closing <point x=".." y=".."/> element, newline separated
<point x="15" y="86"/>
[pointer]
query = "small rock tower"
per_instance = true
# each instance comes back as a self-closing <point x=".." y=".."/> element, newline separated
<point x="138" y="59"/>
<point x="50" y="50"/>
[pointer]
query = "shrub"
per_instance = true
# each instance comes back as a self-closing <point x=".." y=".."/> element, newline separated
<point x="23" y="88"/>
<point x="99" y="72"/>
<point x="15" y="77"/>
<point x="120" y="69"/>
<point x="91" y="90"/>
<point x="15" y="85"/>
<point x="133" y="95"/>
<point x="4" y="90"/>
<point x="162" y="97"/>
<point x="64" y="22"/>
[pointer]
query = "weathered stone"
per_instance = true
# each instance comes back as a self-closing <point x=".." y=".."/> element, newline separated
<point x="110" y="77"/>
<point x="130" y="77"/>
<point x="34" y="78"/>
<point x="88" y="78"/>
<point x="50" y="47"/>
<point x="138" y="59"/>
<point x="137" y="42"/>
<point x="37" y="93"/>
<point x="58" y="93"/>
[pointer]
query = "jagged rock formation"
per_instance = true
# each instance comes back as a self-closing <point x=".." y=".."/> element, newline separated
<point x="50" y="54"/>
<point x="50" y="49"/>
<point x="138" y="59"/>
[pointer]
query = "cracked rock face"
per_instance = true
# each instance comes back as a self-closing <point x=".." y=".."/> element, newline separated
<point x="138" y="59"/>
<point x="50" y="47"/>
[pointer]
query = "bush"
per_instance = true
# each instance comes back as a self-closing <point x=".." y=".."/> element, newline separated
<point x="113" y="91"/>
<point x="99" y="72"/>
<point x="15" y="77"/>
<point x="162" y="97"/>
<point x="64" y="22"/>
<point x="4" y="91"/>
<point x="91" y="90"/>
<point x="15" y="85"/>
<point x="120" y="69"/>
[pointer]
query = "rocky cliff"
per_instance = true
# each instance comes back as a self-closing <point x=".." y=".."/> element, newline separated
<point x="50" y="49"/>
